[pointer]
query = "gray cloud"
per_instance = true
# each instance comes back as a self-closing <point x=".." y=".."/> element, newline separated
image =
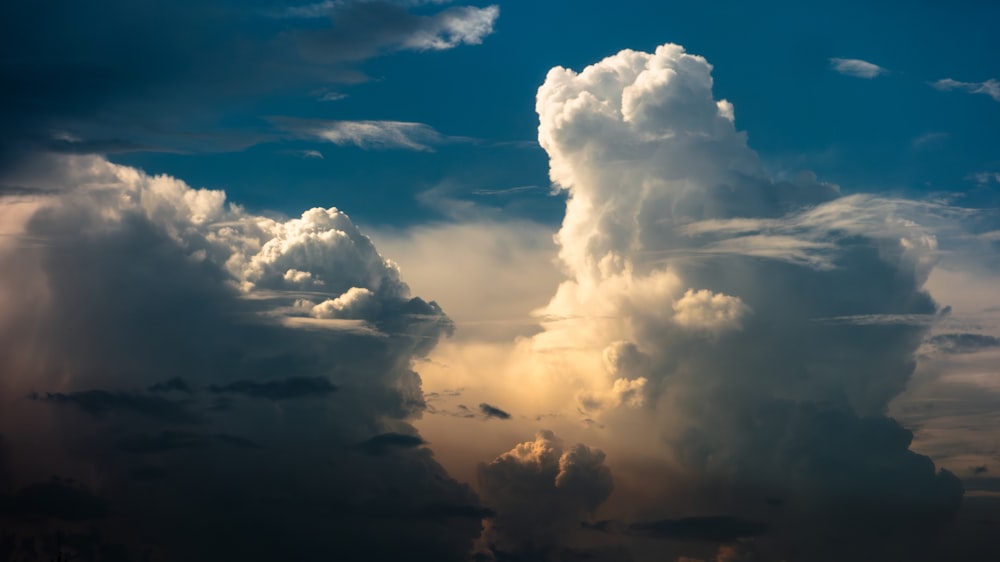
<point x="141" y="282"/>
<point x="102" y="403"/>
<point x="540" y="491"/>
<point x="175" y="384"/>
<point x="713" y="529"/>
<point x="963" y="343"/>
<point x="382" y="444"/>
<point x="493" y="412"/>
<point x="281" y="389"/>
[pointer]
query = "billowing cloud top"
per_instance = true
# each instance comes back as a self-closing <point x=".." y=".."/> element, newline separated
<point x="213" y="384"/>
<point x="705" y="290"/>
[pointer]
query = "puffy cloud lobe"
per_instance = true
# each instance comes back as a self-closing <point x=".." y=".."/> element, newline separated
<point x="540" y="490"/>
<point x="709" y="281"/>
<point x="155" y="324"/>
<point x="706" y="310"/>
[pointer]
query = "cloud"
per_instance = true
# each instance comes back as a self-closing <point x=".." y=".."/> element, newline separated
<point x="493" y="412"/>
<point x="108" y="86"/>
<point x="857" y="68"/>
<point x="60" y="500"/>
<point x="170" y="440"/>
<point x="713" y="529"/>
<point x="102" y="402"/>
<point x="985" y="178"/>
<point x="381" y="444"/>
<point x="282" y="389"/>
<point x="366" y="29"/>
<point x="990" y="87"/>
<point x="963" y="343"/>
<point x="175" y="384"/>
<point x="685" y="259"/>
<point x="507" y="191"/>
<point x="928" y="140"/>
<point x="315" y="154"/>
<point x="539" y="491"/>
<point x="136" y="281"/>
<point x="704" y="309"/>
<point x="371" y="135"/>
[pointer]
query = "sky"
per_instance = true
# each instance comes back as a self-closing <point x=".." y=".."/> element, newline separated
<point x="499" y="281"/>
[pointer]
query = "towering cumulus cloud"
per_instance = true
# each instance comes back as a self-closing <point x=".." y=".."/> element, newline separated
<point x="540" y="491"/>
<point x="761" y="326"/>
<point x="186" y="381"/>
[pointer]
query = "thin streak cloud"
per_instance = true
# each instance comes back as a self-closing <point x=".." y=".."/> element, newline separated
<point x="990" y="87"/>
<point x="370" y="134"/>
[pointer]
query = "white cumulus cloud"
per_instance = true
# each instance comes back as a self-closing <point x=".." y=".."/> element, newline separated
<point x="857" y="68"/>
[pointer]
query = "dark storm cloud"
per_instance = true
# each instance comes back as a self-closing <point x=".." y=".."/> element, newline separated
<point x="386" y="442"/>
<point x="281" y="389"/>
<point x="171" y="440"/>
<point x="713" y="529"/>
<point x="147" y="472"/>
<point x="102" y="402"/>
<point x="175" y="384"/>
<point x="963" y="343"/>
<point x="142" y="278"/>
<point x="493" y="412"/>
<point x="57" y="499"/>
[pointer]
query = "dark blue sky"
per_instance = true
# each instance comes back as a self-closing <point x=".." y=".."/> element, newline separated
<point x="700" y="363"/>
<point x="893" y="133"/>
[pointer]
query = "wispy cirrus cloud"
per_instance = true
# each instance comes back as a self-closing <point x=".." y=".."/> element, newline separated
<point x="370" y="134"/>
<point x="984" y="178"/>
<point x="242" y="54"/>
<point x="857" y="68"/>
<point x="363" y="30"/>
<point x="322" y="9"/>
<point x="990" y="87"/>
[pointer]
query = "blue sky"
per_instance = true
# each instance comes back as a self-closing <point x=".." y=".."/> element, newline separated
<point x="487" y="281"/>
<point x="891" y="133"/>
